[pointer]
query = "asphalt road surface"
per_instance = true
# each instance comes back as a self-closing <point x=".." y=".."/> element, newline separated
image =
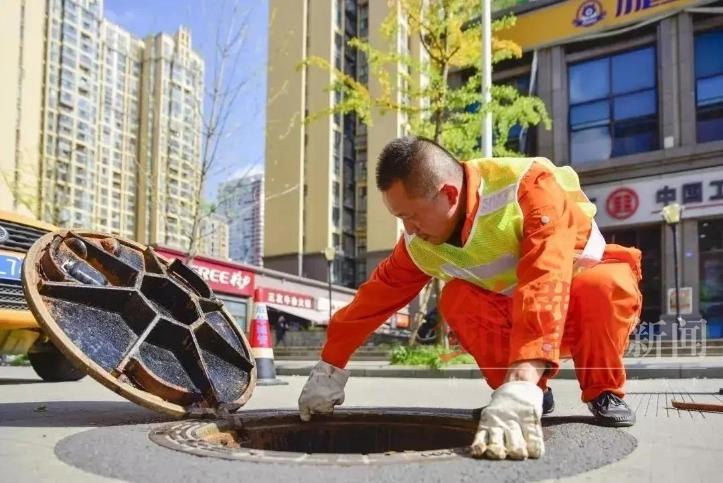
<point x="83" y="432"/>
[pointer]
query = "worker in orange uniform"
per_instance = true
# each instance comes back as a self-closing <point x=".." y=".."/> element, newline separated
<point x="529" y="279"/>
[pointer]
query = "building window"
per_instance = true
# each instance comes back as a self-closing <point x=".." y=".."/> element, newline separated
<point x="709" y="85"/>
<point x="363" y="20"/>
<point x="710" y="250"/>
<point x="338" y="51"/>
<point x="517" y="140"/>
<point x="337" y="153"/>
<point x="613" y="106"/>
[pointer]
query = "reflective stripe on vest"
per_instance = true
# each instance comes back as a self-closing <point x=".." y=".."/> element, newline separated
<point x="491" y="253"/>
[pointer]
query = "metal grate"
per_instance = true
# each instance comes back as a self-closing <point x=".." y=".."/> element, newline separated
<point x="11" y="295"/>
<point x="21" y="237"/>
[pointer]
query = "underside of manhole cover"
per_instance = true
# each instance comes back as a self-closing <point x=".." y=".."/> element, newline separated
<point x="150" y="330"/>
<point x="348" y="437"/>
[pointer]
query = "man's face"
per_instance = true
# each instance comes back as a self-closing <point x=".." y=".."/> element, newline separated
<point x="430" y="218"/>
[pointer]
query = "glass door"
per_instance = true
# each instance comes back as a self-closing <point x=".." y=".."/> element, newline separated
<point x="710" y="249"/>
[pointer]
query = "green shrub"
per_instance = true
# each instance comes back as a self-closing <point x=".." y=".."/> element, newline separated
<point x="430" y="356"/>
<point x="21" y="360"/>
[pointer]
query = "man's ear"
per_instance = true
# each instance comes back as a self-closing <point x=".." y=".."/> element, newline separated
<point x="451" y="192"/>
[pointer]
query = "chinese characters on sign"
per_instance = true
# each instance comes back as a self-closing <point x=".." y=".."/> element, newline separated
<point x="691" y="192"/>
<point x="290" y="299"/>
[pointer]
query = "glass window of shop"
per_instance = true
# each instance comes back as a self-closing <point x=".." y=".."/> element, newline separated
<point x="238" y="310"/>
<point x="710" y="252"/>
<point x="649" y="242"/>
<point x="519" y="139"/>
<point x="613" y="106"/>
<point x="709" y="85"/>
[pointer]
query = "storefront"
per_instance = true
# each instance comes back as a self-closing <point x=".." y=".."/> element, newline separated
<point x="231" y="282"/>
<point x="629" y="214"/>
<point x="303" y="303"/>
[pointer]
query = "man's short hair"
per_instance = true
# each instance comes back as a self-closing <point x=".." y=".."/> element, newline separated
<point x="419" y="163"/>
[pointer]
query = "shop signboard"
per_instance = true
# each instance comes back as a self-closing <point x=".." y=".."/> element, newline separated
<point x="287" y="298"/>
<point x="222" y="277"/>
<point x="640" y="201"/>
<point x="570" y="19"/>
<point x="686" y="300"/>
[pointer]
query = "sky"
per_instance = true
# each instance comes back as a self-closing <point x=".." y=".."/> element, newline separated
<point x="242" y="151"/>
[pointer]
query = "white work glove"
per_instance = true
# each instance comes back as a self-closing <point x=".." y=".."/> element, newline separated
<point x="510" y="426"/>
<point x="323" y="390"/>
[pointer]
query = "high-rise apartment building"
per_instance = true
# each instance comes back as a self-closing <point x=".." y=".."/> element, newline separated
<point x="241" y="201"/>
<point x="213" y="236"/>
<point x="170" y="150"/>
<point x="318" y="174"/>
<point x="106" y="130"/>
<point x="22" y="25"/>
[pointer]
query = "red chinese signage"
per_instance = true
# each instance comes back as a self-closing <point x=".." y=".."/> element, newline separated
<point x="622" y="203"/>
<point x="290" y="299"/>
<point x="221" y="277"/>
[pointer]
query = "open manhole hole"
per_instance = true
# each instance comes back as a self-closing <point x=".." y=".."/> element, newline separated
<point x="354" y="436"/>
<point x="350" y="436"/>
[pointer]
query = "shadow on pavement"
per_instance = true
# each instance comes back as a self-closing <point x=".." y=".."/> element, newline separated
<point x="57" y="414"/>
<point x="9" y="381"/>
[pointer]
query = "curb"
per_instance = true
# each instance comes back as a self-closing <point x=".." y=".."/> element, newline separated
<point x="677" y="371"/>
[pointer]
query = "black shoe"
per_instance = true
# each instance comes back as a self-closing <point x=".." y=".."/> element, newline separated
<point x="610" y="410"/>
<point x="548" y="401"/>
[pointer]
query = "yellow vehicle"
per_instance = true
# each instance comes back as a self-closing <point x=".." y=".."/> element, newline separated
<point x="19" y="331"/>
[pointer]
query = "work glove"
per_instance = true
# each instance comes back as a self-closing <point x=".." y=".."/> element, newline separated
<point x="510" y="426"/>
<point x="323" y="390"/>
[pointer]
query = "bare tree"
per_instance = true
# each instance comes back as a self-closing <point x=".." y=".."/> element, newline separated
<point x="228" y="82"/>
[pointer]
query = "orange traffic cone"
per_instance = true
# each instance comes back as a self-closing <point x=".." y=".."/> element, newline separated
<point x="261" y="346"/>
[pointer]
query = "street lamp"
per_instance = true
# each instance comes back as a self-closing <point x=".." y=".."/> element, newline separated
<point x="671" y="215"/>
<point x="329" y="254"/>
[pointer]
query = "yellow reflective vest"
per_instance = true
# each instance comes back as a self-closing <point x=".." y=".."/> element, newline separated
<point x="489" y="257"/>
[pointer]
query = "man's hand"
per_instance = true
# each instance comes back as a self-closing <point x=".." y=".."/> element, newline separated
<point x="510" y="426"/>
<point x="530" y="371"/>
<point x="323" y="390"/>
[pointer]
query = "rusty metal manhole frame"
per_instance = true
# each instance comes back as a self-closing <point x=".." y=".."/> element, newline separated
<point x="119" y="382"/>
<point x="191" y="437"/>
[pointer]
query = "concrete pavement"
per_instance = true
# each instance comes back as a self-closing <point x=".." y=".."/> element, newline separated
<point x="38" y="421"/>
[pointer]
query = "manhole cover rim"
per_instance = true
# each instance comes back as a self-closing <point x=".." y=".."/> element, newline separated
<point x="70" y="350"/>
<point x="168" y="437"/>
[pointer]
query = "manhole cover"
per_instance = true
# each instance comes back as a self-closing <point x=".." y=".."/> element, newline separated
<point x="150" y="330"/>
<point x="349" y="437"/>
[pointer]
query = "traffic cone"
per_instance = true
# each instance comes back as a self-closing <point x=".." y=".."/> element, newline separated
<point x="261" y="346"/>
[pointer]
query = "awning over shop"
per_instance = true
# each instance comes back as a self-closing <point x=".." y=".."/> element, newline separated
<point x="312" y="315"/>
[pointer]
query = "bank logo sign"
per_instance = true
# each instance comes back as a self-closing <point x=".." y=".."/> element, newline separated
<point x="589" y="13"/>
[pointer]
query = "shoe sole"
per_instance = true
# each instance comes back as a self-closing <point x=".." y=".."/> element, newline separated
<point x="612" y="423"/>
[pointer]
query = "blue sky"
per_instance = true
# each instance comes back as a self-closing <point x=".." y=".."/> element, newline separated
<point x="243" y="150"/>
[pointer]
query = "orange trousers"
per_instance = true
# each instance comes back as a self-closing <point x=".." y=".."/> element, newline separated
<point x="604" y="308"/>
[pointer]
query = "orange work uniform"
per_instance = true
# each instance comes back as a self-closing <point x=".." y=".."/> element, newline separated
<point x="553" y="312"/>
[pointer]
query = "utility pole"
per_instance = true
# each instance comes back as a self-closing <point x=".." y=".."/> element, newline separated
<point x="486" y="76"/>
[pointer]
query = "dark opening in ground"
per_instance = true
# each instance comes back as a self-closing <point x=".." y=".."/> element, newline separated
<point x="348" y="433"/>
